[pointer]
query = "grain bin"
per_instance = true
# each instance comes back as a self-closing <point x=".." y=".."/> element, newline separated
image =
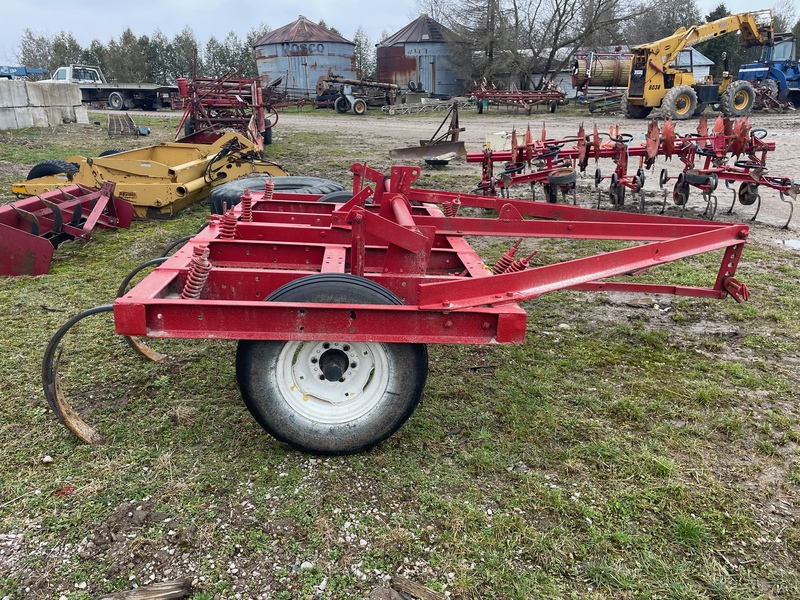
<point x="299" y="53"/>
<point x="418" y="57"/>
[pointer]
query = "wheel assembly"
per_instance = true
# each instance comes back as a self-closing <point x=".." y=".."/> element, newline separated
<point x="748" y="193"/>
<point x="331" y="397"/>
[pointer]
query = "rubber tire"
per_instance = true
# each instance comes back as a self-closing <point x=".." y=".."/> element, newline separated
<point x="552" y="106"/>
<point x="342" y="105"/>
<point x="679" y="103"/>
<point x="257" y="374"/>
<point x="266" y="137"/>
<point x="728" y="104"/>
<point x="110" y="152"/>
<point x="231" y="192"/>
<point x="116" y="101"/>
<point x="565" y="176"/>
<point x="748" y="193"/>
<point x="339" y="197"/>
<point x="632" y="111"/>
<point x="360" y="107"/>
<point x="51" y="167"/>
<point x="701" y="107"/>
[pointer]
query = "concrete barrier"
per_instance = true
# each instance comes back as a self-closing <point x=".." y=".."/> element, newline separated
<point x="29" y="104"/>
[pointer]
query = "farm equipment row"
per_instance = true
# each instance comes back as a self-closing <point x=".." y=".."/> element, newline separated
<point x="333" y="303"/>
<point x="706" y="156"/>
<point x="524" y="99"/>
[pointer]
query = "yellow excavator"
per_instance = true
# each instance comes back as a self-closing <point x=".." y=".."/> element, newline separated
<point x="659" y="79"/>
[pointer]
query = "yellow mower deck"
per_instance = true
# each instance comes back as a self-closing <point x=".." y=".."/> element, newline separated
<point x="161" y="180"/>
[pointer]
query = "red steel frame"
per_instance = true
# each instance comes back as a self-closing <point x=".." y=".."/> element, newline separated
<point x="405" y="241"/>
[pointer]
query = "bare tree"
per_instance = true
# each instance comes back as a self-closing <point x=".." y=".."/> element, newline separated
<point x="660" y="20"/>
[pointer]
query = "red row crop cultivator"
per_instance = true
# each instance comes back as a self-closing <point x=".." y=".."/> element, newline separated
<point x="706" y="157"/>
<point x="333" y="303"/>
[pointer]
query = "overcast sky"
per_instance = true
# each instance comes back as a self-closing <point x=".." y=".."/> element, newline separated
<point x="104" y="20"/>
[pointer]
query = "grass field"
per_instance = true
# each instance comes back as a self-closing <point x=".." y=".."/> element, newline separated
<point x="630" y="448"/>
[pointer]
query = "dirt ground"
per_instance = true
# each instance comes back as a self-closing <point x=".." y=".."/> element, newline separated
<point x="376" y="134"/>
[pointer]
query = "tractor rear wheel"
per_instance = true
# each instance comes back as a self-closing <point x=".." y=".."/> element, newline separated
<point x="679" y="103"/>
<point x="331" y="397"/>
<point x="360" y="107"/>
<point x="738" y="99"/>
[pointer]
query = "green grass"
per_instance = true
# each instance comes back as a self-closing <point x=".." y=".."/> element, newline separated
<point x="639" y="452"/>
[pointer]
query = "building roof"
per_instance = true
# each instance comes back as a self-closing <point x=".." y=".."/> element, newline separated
<point x="421" y="29"/>
<point x="301" y="30"/>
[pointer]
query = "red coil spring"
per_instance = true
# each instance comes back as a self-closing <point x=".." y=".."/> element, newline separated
<point x="506" y="260"/>
<point x="450" y="208"/>
<point x="247" y="207"/>
<point x="269" y="188"/>
<point x="199" y="268"/>
<point x="521" y="264"/>
<point x="227" y="229"/>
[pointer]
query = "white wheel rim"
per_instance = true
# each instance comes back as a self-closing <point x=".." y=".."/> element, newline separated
<point x="305" y="390"/>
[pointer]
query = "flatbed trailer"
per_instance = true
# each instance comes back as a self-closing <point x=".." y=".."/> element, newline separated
<point x="333" y="303"/>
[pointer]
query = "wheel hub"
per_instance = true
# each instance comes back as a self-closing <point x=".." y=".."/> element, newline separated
<point x="333" y="363"/>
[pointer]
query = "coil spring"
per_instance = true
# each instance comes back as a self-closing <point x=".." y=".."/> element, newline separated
<point x="506" y="260"/>
<point x="450" y="208"/>
<point x="247" y="207"/>
<point x="269" y="188"/>
<point x="227" y="228"/>
<point x="199" y="269"/>
<point x="521" y="264"/>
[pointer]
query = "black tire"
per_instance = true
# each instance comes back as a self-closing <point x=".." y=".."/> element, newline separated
<point x="679" y="103"/>
<point x="360" y="107"/>
<point x="230" y="193"/>
<point x="701" y="106"/>
<point x="188" y="127"/>
<point x="565" y="176"/>
<point x="111" y="151"/>
<point x="116" y="101"/>
<point x="266" y="138"/>
<point x="339" y="197"/>
<point x="52" y="167"/>
<point x="311" y="403"/>
<point x="738" y="99"/>
<point x="342" y="105"/>
<point x="632" y="111"/>
<point x="680" y="191"/>
<point x="552" y="106"/>
<point x="748" y="193"/>
<point x="412" y="86"/>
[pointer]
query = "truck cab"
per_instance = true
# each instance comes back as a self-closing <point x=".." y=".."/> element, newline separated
<point x="77" y="74"/>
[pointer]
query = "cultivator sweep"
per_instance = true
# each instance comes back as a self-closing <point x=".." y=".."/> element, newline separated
<point x="32" y="228"/>
<point x="706" y="156"/>
<point x="333" y="303"/>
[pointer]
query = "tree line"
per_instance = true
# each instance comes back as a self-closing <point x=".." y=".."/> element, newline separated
<point x="157" y="58"/>
<point x="505" y="42"/>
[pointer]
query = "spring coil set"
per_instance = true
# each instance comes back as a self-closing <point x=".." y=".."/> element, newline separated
<point x="199" y="269"/>
<point x="507" y="264"/>
<point x="451" y="208"/>
<point x="247" y="207"/>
